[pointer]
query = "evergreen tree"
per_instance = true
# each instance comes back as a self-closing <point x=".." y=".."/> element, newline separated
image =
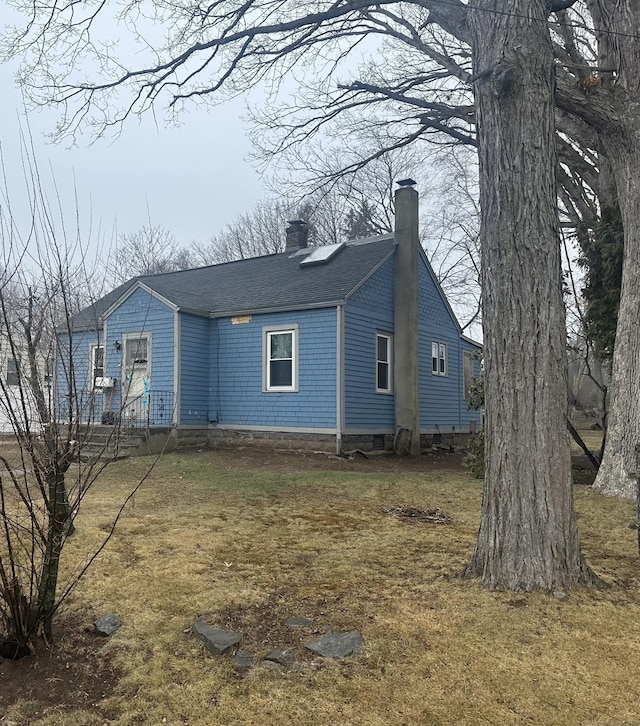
<point x="602" y="254"/>
<point x="360" y="222"/>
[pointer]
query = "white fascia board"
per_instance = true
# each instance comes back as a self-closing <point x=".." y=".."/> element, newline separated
<point x="471" y="341"/>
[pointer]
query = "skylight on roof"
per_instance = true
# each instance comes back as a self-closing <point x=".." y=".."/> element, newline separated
<point x="322" y="255"/>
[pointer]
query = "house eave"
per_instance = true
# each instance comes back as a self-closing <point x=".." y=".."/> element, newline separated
<point x="277" y="309"/>
<point x="471" y="341"/>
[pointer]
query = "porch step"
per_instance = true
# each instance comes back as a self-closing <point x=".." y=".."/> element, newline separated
<point x="103" y="443"/>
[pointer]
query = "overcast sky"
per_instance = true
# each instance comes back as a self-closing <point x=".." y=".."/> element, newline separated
<point x="195" y="178"/>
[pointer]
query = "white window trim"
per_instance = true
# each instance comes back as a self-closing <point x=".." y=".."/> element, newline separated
<point x="267" y="331"/>
<point x="92" y="363"/>
<point x="123" y="353"/>
<point x="467" y="384"/>
<point x="441" y="346"/>
<point x="389" y="338"/>
<point x="135" y="336"/>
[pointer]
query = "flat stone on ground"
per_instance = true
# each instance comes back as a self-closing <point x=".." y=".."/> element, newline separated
<point x="293" y="623"/>
<point x="217" y="640"/>
<point x="337" y="645"/>
<point x="243" y="659"/>
<point x="107" y="624"/>
<point x="283" y="657"/>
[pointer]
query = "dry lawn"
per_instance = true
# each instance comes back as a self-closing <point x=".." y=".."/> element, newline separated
<point x="255" y="538"/>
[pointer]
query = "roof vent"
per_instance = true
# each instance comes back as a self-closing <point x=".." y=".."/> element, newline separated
<point x="322" y="255"/>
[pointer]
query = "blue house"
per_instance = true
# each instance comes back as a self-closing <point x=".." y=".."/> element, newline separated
<point x="349" y="345"/>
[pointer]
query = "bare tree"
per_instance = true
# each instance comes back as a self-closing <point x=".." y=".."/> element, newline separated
<point x="150" y="250"/>
<point x="45" y="398"/>
<point x="451" y="234"/>
<point x="255" y="233"/>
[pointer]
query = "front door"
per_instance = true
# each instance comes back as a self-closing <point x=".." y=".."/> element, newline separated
<point x="135" y="378"/>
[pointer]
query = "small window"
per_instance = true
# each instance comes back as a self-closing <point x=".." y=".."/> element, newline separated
<point x="383" y="363"/>
<point x="438" y="359"/>
<point x="280" y="360"/>
<point x="467" y="373"/>
<point x="136" y="351"/>
<point x="12" y="372"/>
<point x="97" y="362"/>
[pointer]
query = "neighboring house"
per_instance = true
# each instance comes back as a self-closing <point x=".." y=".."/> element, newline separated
<point x="9" y="390"/>
<point x="341" y="346"/>
<point x="17" y="404"/>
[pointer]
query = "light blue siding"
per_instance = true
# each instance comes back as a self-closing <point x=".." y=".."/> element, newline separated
<point x="141" y="312"/>
<point x="237" y="359"/>
<point x="194" y="369"/>
<point x="214" y="377"/>
<point x="368" y="311"/>
<point x="442" y="404"/>
<point x="73" y="377"/>
<point x="466" y="414"/>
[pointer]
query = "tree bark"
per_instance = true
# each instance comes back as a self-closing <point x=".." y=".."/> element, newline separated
<point x="619" y="48"/>
<point x="616" y="476"/>
<point x="42" y="613"/>
<point x="528" y="536"/>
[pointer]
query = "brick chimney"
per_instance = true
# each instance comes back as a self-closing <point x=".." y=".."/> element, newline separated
<point x="297" y="235"/>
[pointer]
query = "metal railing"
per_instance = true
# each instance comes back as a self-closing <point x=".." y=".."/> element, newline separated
<point x="153" y="408"/>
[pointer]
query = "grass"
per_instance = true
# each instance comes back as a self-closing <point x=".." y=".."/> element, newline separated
<point x="593" y="440"/>
<point x="253" y="544"/>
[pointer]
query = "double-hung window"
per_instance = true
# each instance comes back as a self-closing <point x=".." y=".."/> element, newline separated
<point x="281" y="359"/>
<point x="97" y="363"/>
<point x="438" y="358"/>
<point x="136" y="351"/>
<point x="12" y="372"/>
<point x="384" y="350"/>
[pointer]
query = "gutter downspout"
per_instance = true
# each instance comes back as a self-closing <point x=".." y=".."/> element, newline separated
<point x="176" y="366"/>
<point x="339" y="377"/>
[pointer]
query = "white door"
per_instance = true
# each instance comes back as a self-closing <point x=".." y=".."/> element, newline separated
<point x="136" y="377"/>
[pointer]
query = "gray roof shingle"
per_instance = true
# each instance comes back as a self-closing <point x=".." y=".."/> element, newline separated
<point x="259" y="283"/>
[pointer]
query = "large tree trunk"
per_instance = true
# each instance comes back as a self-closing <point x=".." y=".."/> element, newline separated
<point x="528" y="536"/>
<point x="619" y="466"/>
<point x="619" y="49"/>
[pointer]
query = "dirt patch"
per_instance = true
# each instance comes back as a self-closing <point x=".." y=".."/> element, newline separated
<point x="263" y="624"/>
<point x="416" y="514"/>
<point x="74" y="673"/>
<point x="248" y="459"/>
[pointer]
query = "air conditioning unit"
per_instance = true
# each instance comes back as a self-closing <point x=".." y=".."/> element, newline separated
<point x="102" y="382"/>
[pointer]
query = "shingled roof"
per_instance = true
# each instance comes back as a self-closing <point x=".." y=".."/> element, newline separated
<point x="273" y="282"/>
